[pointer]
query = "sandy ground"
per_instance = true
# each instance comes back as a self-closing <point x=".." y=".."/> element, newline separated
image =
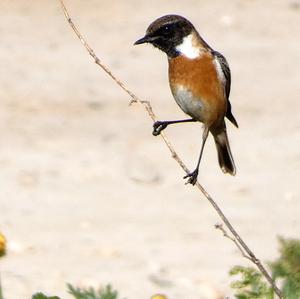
<point x="89" y="196"/>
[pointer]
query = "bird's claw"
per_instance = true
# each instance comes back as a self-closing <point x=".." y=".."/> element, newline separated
<point x="192" y="177"/>
<point x="158" y="126"/>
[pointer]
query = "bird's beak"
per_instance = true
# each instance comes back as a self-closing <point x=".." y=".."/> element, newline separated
<point x="145" y="39"/>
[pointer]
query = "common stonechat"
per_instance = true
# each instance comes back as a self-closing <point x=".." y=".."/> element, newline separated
<point x="200" y="81"/>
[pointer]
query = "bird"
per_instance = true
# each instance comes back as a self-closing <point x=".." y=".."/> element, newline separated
<point x="200" y="82"/>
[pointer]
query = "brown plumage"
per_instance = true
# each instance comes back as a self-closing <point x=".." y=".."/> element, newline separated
<point x="207" y="90"/>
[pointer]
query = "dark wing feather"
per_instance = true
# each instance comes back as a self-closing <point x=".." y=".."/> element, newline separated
<point x="226" y="71"/>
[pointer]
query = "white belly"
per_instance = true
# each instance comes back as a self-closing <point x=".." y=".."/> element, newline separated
<point x="188" y="103"/>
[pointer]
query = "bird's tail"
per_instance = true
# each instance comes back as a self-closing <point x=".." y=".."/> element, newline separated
<point x="224" y="153"/>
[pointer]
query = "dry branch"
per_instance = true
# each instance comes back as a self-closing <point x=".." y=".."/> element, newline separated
<point x="241" y="245"/>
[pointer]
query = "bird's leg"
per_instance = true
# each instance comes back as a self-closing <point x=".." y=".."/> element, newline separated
<point x="158" y="126"/>
<point x="193" y="175"/>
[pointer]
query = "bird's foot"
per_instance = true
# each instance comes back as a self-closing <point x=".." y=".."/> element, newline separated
<point x="192" y="177"/>
<point x="158" y="126"/>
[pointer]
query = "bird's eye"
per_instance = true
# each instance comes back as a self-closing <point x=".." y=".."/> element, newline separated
<point x="166" y="30"/>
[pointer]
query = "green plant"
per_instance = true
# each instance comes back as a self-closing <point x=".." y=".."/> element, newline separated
<point x="106" y="293"/>
<point x="251" y="283"/>
<point x="42" y="296"/>
<point x="287" y="267"/>
<point x="1" y="294"/>
<point x="81" y="293"/>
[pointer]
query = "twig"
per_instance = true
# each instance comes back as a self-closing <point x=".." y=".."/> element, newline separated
<point x="226" y="235"/>
<point x="245" y="250"/>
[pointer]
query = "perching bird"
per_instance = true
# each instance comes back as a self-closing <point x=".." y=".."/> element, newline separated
<point x="200" y="83"/>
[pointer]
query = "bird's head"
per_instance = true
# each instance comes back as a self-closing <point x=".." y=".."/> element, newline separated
<point x="170" y="34"/>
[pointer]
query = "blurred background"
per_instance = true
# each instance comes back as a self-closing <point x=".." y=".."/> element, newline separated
<point x="89" y="196"/>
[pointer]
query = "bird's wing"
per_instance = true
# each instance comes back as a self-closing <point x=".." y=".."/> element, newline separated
<point x="226" y="71"/>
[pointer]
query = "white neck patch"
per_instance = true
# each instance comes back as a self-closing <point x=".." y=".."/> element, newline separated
<point x="187" y="48"/>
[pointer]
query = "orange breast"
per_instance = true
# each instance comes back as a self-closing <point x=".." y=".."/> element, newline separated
<point x="199" y="77"/>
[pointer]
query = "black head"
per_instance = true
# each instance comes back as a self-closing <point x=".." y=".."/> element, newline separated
<point x="166" y="33"/>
